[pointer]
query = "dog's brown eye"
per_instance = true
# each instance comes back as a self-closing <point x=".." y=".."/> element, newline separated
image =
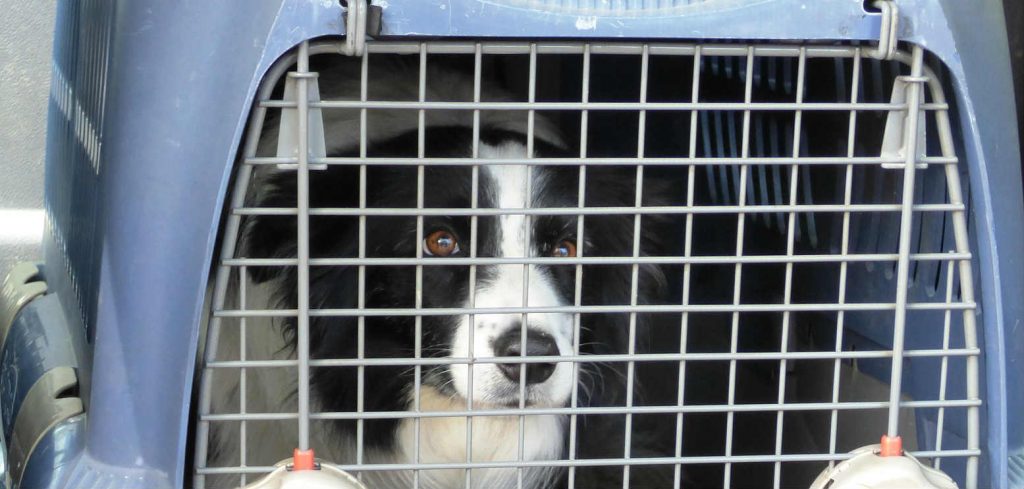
<point x="441" y="243"/>
<point x="565" y="249"/>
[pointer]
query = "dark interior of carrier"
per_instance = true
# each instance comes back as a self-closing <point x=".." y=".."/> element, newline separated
<point x="755" y="459"/>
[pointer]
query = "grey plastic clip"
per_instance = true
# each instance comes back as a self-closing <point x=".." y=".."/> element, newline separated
<point x="43" y="408"/>
<point x="888" y="34"/>
<point x="18" y="289"/>
<point x="895" y="139"/>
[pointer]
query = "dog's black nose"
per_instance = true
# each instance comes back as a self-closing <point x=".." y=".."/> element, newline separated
<point x="537" y="344"/>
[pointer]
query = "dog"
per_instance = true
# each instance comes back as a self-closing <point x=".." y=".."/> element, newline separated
<point x="388" y="385"/>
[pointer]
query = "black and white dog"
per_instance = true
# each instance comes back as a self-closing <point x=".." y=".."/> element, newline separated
<point x="490" y="386"/>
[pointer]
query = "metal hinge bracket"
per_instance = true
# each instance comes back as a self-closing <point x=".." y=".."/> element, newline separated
<point x="888" y="35"/>
<point x="362" y="19"/>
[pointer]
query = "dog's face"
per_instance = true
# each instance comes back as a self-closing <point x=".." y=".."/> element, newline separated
<point x="481" y="346"/>
<point x="508" y="236"/>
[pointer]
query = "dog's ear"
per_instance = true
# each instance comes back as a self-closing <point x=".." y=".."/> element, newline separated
<point x="276" y="236"/>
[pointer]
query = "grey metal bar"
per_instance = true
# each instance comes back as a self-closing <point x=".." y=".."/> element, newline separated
<point x="605" y="161"/>
<point x="580" y="251"/>
<point x="660" y="48"/>
<point x="594" y="462"/>
<point x="965" y="276"/>
<point x="886" y="107"/>
<point x="420" y="195"/>
<point x="242" y="377"/>
<point x="738" y="308"/>
<point x="598" y="260"/>
<point x="845" y="248"/>
<point x="473" y="233"/>
<point x="687" y="250"/>
<point x="364" y="68"/>
<point x="302" y="245"/>
<point x="634" y="281"/>
<point x="906" y="222"/>
<point x="639" y="357"/>
<point x="604" y="410"/>
<point x="944" y="369"/>
<point x="556" y="211"/>
<point x="791" y="226"/>
<point x="738" y="270"/>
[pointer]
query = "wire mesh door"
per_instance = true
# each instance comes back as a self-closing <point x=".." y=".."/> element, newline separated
<point x="570" y="264"/>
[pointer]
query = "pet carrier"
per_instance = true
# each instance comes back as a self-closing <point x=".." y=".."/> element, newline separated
<point x="755" y="236"/>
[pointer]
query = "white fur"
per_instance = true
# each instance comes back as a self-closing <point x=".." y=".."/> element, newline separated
<point x="505" y="290"/>
<point x="495" y="439"/>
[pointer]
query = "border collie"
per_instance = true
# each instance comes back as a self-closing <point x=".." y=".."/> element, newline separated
<point x="490" y="386"/>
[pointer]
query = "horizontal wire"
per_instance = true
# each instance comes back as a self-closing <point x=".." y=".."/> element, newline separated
<point x="607" y="309"/>
<point x="587" y="211"/>
<point x="596" y="260"/>
<point x="603" y="410"/>
<point x="886" y="107"/>
<point x="891" y="163"/>
<point x="584" y="359"/>
<point x="693" y="460"/>
<point x="662" y="48"/>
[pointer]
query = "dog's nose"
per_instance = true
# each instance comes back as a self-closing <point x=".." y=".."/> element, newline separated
<point x="538" y="343"/>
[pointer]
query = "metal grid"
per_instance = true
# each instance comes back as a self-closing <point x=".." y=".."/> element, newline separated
<point x="740" y="181"/>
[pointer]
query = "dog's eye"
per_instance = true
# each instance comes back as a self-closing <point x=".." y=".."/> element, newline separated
<point x="440" y="243"/>
<point x="564" y="249"/>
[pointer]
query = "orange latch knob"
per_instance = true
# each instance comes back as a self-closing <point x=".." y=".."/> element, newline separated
<point x="891" y="447"/>
<point x="303" y="460"/>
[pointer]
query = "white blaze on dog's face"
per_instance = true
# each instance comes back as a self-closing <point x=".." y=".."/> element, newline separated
<point x="513" y="286"/>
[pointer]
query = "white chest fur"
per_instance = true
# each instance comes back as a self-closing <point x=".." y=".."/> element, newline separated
<point x="494" y="439"/>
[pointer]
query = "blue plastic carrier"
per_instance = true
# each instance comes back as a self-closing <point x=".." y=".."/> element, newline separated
<point x="149" y="104"/>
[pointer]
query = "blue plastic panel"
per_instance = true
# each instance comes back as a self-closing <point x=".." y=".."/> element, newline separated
<point x="711" y="19"/>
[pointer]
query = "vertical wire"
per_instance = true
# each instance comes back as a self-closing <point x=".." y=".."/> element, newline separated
<point x="242" y="380"/>
<point x="939" y="423"/>
<point x="738" y="274"/>
<point x="473" y="231"/>
<point x="687" y="250"/>
<point x="635" y="271"/>
<point x="966" y="277"/>
<point x="580" y="251"/>
<point x="845" y="248"/>
<point x="790" y="245"/>
<point x="420" y="177"/>
<point x="302" y="199"/>
<point x="361" y="269"/>
<point x="906" y="236"/>
<point x="526" y="267"/>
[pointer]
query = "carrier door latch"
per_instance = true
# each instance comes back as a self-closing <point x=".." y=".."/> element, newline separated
<point x="362" y="19"/>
